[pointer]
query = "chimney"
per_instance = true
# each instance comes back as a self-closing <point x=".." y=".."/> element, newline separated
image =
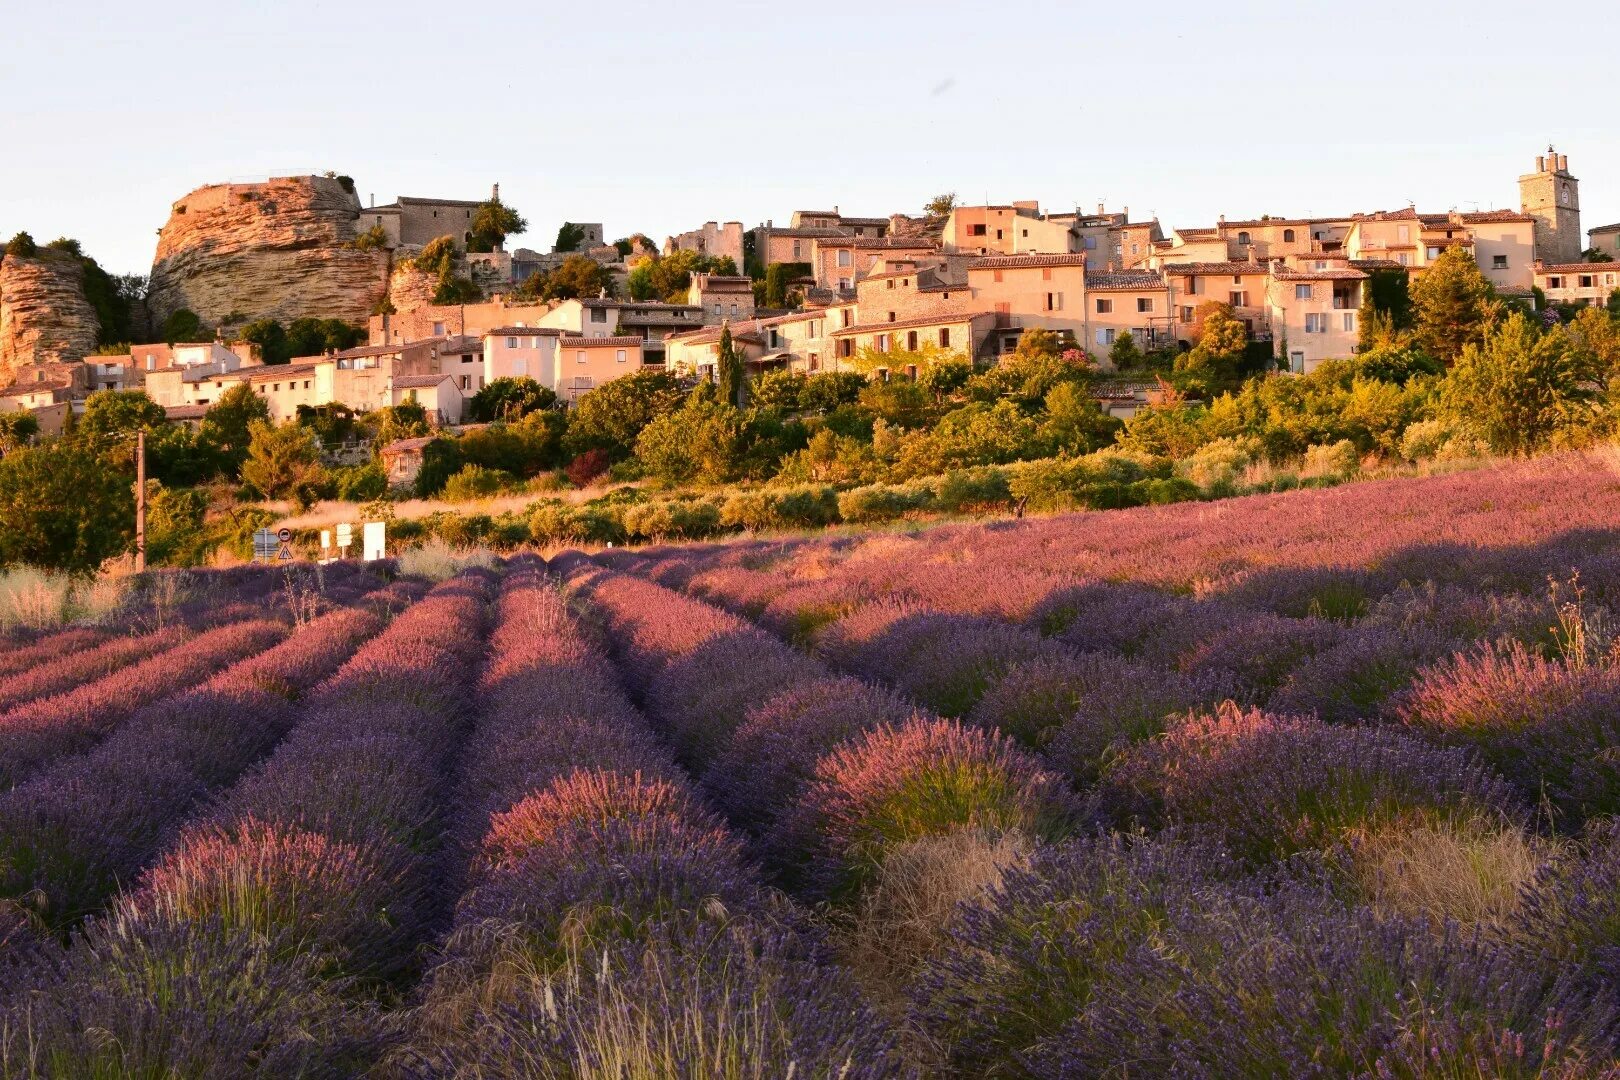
<point x="373" y="198"/>
<point x="495" y="193"/>
<point x="1125" y="212"/>
<point x="1100" y="210"/>
<point x="1541" y="163"/>
<point x="1563" y="163"/>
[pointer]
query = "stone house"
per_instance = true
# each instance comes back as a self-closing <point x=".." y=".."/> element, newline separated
<point x="839" y="262"/>
<point x="710" y="238"/>
<point x="402" y="459"/>
<point x="1243" y="285"/>
<point x="1315" y="307"/>
<point x="972" y="333"/>
<point x="584" y="363"/>
<point x="1605" y="239"/>
<point x="721" y="297"/>
<point x="1578" y="283"/>
<point x="413" y="222"/>
<point x="441" y="396"/>
<point x="1121" y="301"/>
<point x="521" y="352"/>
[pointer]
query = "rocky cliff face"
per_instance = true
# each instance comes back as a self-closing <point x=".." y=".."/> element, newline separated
<point x="280" y="249"/>
<point x="44" y="316"/>
<point x="410" y="288"/>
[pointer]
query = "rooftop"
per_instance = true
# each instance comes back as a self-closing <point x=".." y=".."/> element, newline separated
<point x="576" y="341"/>
<point x="1579" y="268"/>
<point x="415" y="382"/>
<point x="1216" y="268"/>
<point x="523" y="331"/>
<point x="1124" y="281"/>
<point x="1012" y="262"/>
<point x="941" y="319"/>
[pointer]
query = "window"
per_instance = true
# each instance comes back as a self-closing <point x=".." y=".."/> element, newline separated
<point x="1186" y="314"/>
<point x="1136" y="249"/>
<point x="1144" y="303"/>
<point x="944" y="337"/>
<point x="843" y="257"/>
<point x="1302" y="292"/>
<point x="275" y="388"/>
<point x="998" y="234"/>
<point x="1046" y="273"/>
<point x="599" y="315"/>
<point x="1403" y="233"/>
<point x="1499" y="262"/>
<point x="1434" y="252"/>
<point x="889" y="284"/>
<point x="998" y="275"/>
<point x="719" y="308"/>
<point x="734" y="310"/>
<point x="1349" y="321"/>
<point x="844" y="347"/>
<point x="1091" y="243"/>
<point x="1403" y="258"/>
<point x="797" y="253"/>
<point x="845" y="313"/>
<point x="1555" y="283"/>
<point x="1192" y="285"/>
<point x="975" y="230"/>
<point x="1237" y="279"/>
<point x="620" y="356"/>
<point x="466" y="382"/>
<point x="579" y="357"/>
<point x="1243" y="239"/>
<point x="1238" y="299"/>
<point x="911" y="341"/>
<point x="1586" y="281"/>
<point x="1026" y="232"/>
<point x="891" y="316"/>
<point x="1054" y="301"/>
<point x="881" y="343"/>
<point x="511" y="343"/>
<point x="843" y="284"/>
<point x="1288" y="236"/>
<point x="1296" y="362"/>
<point x="466" y="358"/>
<point x="1316" y="323"/>
<point x="1105" y="306"/>
<point x="1608" y="279"/>
<point x="1105" y="337"/>
<point x="815" y="362"/>
<point x="438" y="329"/>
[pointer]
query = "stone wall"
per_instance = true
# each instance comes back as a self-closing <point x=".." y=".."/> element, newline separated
<point x="279" y="249"/>
<point x="44" y="316"/>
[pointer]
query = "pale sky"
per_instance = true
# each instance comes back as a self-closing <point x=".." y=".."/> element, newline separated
<point x="656" y="117"/>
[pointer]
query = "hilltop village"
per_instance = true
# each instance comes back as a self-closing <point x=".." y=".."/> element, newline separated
<point x="419" y="300"/>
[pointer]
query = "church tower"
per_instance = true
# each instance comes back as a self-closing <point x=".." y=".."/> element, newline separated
<point x="1553" y="197"/>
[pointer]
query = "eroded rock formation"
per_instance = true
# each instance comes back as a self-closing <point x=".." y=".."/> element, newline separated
<point x="280" y="249"/>
<point x="44" y="316"/>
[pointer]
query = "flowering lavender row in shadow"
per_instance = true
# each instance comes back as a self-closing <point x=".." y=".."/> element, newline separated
<point x="254" y="947"/>
<point x="610" y="921"/>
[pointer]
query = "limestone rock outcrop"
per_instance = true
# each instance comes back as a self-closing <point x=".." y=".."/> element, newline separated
<point x="44" y="316"/>
<point x="410" y="288"/>
<point x="281" y="249"/>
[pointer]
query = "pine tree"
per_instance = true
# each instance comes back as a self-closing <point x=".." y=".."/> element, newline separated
<point x="729" y="366"/>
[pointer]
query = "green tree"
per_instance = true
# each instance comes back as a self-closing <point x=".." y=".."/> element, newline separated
<point x="568" y="237"/>
<point x="492" y="222"/>
<point x="577" y="276"/>
<point x="17" y="429"/>
<point x="1452" y="302"/>
<point x="781" y="390"/>
<point x="510" y="399"/>
<point x="668" y="277"/>
<point x="945" y="376"/>
<point x="829" y="390"/>
<point x="1124" y="354"/>
<point x="940" y="205"/>
<point x="522" y="448"/>
<point x="111" y="419"/>
<point x="120" y="412"/>
<point x="372" y="239"/>
<point x="702" y="443"/>
<point x="611" y="416"/>
<point x="1387" y="296"/>
<point x="441" y="459"/>
<point x="314" y="337"/>
<point x="776" y="285"/>
<point x="22" y="245"/>
<point x="729" y="369"/>
<point x="1521" y="386"/>
<point x="63" y="508"/>
<point x="284" y="462"/>
<point x="1075" y="422"/>
<point x="227" y="427"/>
<point x="1214" y="364"/>
<point x="271" y="338"/>
<point x="184" y="325"/>
<point x="976" y="434"/>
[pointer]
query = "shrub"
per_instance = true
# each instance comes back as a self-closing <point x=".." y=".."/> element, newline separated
<point x="1273" y="786"/>
<point x="965" y="489"/>
<point x="924" y="778"/>
<point x="474" y="482"/>
<point x="1339" y="461"/>
<point x="1216" y="467"/>
<point x="883" y="502"/>
<point x="587" y="467"/>
<point x="792" y="508"/>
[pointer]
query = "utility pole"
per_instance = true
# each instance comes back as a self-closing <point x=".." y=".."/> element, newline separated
<point x="140" y="501"/>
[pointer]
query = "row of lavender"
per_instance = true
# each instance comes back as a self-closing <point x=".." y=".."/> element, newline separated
<point x="259" y="942"/>
<point x="1258" y="792"/>
<point x="609" y="923"/>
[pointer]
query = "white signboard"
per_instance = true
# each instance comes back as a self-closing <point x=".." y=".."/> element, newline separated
<point x="345" y="535"/>
<point x="373" y="540"/>
<point x="265" y="545"/>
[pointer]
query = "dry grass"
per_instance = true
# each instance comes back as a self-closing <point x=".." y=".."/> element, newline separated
<point x="1471" y="872"/>
<point x="38" y="599"/>
<point x="331" y="512"/>
<point x="907" y="913"/>
<point x="438" y="561"/>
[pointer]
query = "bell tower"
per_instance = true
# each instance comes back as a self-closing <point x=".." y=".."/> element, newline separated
<point x="1553" y="197"/>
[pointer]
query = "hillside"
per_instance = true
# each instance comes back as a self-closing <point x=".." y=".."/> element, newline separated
<point x="1313" y="783"/>
<point x="278" y="249"/>
<point x="44" y="315"/>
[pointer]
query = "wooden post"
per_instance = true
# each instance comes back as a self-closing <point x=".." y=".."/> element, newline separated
<point x="140" y="501"/>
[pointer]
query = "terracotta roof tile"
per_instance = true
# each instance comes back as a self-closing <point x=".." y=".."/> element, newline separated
<point x="414" y="382"/>
<point x="941" y="319"/>
<point x="1124" y="281"/>
<point x="1215" y="268"/>
<point x="576" y="341"/>
<point x="1013" y="262"/>
<point x="1579" y="268"/>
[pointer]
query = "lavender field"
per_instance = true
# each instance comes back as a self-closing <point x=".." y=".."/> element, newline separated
<point x="1314" y="784"/>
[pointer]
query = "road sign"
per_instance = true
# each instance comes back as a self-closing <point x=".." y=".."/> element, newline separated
<point x="264" y="545"/>
<point x="284" y="534"/>
<point x="326" y="539"/>
<point x="345" y="535"/>
<point x="374" y="538"/>
<point x="285" y="553"/>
